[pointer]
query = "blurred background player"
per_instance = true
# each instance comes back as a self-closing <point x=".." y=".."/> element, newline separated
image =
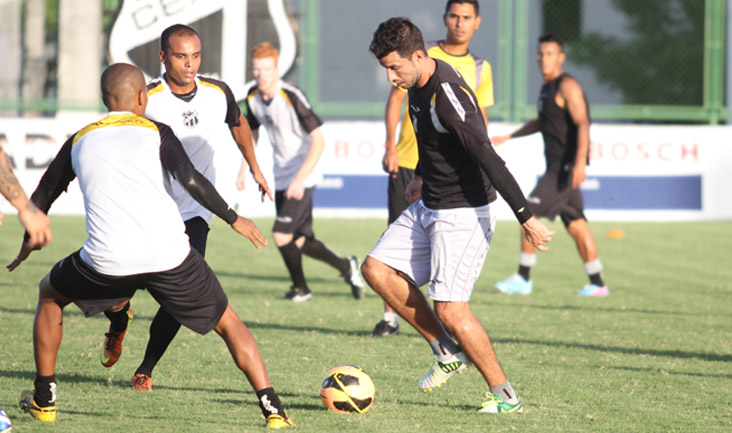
<point x="35" y="222"/>
<point x="443" y="237"/>
<point x="136" y="239"/>
<point x="564" y="123"/>
<point x="201" y="111"/>
<point x="462" y="19"/>
<point x="297" y="142"/>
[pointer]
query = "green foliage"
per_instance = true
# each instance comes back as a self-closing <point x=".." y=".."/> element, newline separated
<point x="654" y="357"/>
<point x="658" y="58"/>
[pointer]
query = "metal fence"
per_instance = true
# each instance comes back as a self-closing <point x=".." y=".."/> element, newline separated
<point x="644" y="61"/>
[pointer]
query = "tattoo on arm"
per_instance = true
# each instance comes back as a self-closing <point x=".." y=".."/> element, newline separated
<point x="9" y="185"/>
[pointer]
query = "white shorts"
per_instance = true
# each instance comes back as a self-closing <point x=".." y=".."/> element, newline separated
<point x="444" y="247"/>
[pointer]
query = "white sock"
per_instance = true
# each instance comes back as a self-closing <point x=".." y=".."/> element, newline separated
<point x="391" y="318"/>
<point x="527" y="259"/>
<point x="593" y="267"/>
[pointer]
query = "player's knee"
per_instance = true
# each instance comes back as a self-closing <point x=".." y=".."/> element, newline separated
<point x="372" y="269"/>
<point x="282" y="239"/>
<point x="452" y="314"/>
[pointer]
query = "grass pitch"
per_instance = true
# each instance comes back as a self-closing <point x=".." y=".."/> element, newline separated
<point x="655" y="356"/>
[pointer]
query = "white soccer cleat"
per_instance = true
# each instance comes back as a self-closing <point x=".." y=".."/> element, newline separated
<point x="442" y="371"/>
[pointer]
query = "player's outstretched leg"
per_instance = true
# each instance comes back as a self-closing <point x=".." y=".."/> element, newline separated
<point x="580" y="232"/>
<point x="411" y="304"/>
<point x="47" y="334"/>
<point x="162" y="331"/>
<point x="292" y="256"/>
<point x="462" y="323"/>
<point x="119" y="319"/>
<point x="246" y="355"/>
<point x="347" y="266"/>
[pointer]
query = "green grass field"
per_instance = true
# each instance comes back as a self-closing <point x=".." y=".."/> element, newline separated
<point x="656" y="356"/>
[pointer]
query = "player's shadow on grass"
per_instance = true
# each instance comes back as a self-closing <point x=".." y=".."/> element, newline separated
<point x="287" y="399"/>
<point x="665" y="371"/>
<point x="426" y="402"/>
<point x="591" y="308"/>
<point x="716" y="357"/>
<point x="279" y="327"/>
<point x="65" y="378"/>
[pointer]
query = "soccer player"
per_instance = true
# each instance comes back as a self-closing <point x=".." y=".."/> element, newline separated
<point x="462" y="19"/>
<point x="564" y="123"/>
<point x="201" y="111"/>
<point x="136" y="239"/>
<point x="443" y="237"/>
<point x="297" y="142"/>
<point x="34" y="221"/>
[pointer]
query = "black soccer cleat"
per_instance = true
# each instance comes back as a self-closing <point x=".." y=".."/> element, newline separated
<point x="383" y="328"/>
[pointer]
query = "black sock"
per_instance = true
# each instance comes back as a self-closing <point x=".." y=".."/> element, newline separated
<point x="118" y="320"/>
<point x="317" y="250"/>
<point x="524" y="271"/>
<point x="596" y="279"/>
<point x="45" y="390"/>
<point x="162" y="331"/>
<point x="292" y="256"/>
<point x="269" y="402"/>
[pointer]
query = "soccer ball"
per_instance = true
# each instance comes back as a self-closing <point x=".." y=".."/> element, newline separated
<point x="5" y="424"/>
<point x="347" y="388"/>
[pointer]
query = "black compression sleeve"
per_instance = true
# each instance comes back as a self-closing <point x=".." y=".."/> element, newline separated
<point x="56" y="179"/>
<point x="503" y="180"/>
<point x="176" y="161"/>
<point x="203" y="191"/>
<point x="467" y="124"/>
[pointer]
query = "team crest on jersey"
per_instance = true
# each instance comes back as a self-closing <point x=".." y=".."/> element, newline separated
<point x="136" y="33"/>
<point x="190" y="119"/>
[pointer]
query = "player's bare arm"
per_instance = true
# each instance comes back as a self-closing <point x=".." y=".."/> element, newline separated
<point x="248" y="229"/>
<point x="413" y="191"/>
<point x="241" y="177"/>
<point x="390" y="162"/>
<point x="34" y="221"/>
<point x="527" y="128"/>
<point x="573" y="98"/>
<point x="537" y="233"/>
<point x="296" y="189"/>
<point x="244" y="139"/>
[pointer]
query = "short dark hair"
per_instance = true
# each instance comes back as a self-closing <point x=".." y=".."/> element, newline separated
<point x="174" y="30"/>
<point x="552" y="37"/>
<point x="472" y="2"/>
<point x="396" y="34"/>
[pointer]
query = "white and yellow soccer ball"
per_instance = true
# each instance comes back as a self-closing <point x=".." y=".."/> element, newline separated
<point x="347" y="388"/>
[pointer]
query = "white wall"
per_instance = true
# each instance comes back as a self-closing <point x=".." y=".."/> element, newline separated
<point x="638" y="173"/>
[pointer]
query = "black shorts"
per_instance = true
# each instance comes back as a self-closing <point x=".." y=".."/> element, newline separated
<point x="294" y="217"/>
<point x="553" y="195"/>
<point x="397" y="186"/>
<point x="190" y="292"/>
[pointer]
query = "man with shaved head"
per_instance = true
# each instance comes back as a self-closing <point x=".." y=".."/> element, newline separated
<point x="124" y="163"/>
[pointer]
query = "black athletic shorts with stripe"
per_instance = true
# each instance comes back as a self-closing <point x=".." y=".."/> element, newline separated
<point x="294" y="217"/>
<point x="190" y="292"/>
<point x="553" y="195"/>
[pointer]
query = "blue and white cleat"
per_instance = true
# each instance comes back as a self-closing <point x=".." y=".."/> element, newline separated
<point x="515" y="284"/>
